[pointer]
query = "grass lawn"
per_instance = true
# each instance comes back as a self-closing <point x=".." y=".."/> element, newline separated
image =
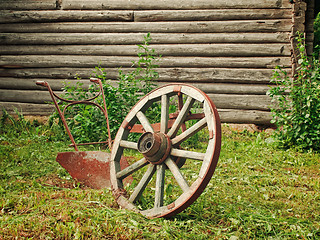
<point x="256" y="192"/>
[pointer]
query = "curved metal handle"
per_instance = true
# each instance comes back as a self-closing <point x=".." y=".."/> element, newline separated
<point x="71" y="103"/>
<point x="42" y="83"/>
<point x="95" y="80"/>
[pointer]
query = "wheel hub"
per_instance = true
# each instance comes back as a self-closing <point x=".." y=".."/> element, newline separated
<point x="155" y="147"/>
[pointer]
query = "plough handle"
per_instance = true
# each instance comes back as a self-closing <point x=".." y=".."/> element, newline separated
<point x="95" y="80"/>
<point x="87" y="101"/>
<point x="42" y="83"/>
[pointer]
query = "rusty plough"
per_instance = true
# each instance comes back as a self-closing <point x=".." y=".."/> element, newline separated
<point x="181" y="173"/>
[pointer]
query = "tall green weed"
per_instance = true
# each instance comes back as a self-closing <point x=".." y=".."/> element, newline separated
<point x="297" y="103"/>
<point x="86" y="122"/>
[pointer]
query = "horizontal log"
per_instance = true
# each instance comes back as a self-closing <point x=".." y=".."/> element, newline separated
<point x="245" y="116"/>
<point x="249" y="102"/>
<point x="30" y="84"/>
<point x="230" y="88"/>
<point x="280" y="25"/>
<point x="226" y="115"/>
<point x="24" y="96"/>
<point x="211" y="15"/>
<point x="10" y="16"/>
<point x="214" y="75"/>
<point x="27" y="109"/>
<point x="209" y="50"/>
<point x="64" y="16"/>
<point x="57" y="84"/>
<point x="137" y="38"/>
<point x="168" y="4"/>
<point x="226" y="101"/>
<point x="193" y="75"/>
<point x="28" y="5"/>
<point x="45" y="61"/>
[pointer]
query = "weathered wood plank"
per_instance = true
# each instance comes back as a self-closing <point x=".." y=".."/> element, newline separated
<point x="212" y="50"/>
<point x="43" y="61"/>
<point x="231" y="88"/>
<point x="137" y="38"/>
<point x="10" y="16"/>
<point x="28" y="5"/>
<point x="30" y="84"/>
<point x="27" y="108"/>
<point x="57" y="84"/>
<point x="249" y="102"/>
<point x="224" y="62"/>
<point x="168" y="4"/>
<point x="193" y="75"/>
<point x="211" y="15"/>
<point x="215" y="75"/>
<point x="24" y="96"/>
<point x="280" y="25"/>
<point x="245" y="116"/>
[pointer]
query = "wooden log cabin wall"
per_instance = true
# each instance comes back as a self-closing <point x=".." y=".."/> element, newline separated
<point x="228" y="48"/>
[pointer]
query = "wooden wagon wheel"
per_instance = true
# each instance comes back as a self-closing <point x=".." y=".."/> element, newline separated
<point x="181" y="173"/>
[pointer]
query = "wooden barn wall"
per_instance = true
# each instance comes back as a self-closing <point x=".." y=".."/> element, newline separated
<point x="228" y="48"/>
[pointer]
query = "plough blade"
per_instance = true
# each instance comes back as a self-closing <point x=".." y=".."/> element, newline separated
<point x="92" y="168"/>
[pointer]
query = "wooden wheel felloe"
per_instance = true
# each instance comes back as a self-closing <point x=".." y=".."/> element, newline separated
<point x="170" y="174"/>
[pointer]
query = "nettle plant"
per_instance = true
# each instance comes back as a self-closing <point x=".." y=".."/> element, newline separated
<point x="296" y="110"/>
<point x="87" y="123"/>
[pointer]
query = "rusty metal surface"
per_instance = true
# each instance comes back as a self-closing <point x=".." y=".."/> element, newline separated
<point x="90" y="167"/>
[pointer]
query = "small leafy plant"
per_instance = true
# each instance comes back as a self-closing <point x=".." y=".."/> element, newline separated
<point x="86" y="122"/>
<point x="296" y="112"/>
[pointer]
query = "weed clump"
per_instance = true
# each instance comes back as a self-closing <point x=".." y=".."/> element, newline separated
<point x="86" y="122"/>
<point x="297" y="109"/>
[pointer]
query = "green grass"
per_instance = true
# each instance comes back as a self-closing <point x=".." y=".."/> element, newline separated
<point x="257" y="192"/>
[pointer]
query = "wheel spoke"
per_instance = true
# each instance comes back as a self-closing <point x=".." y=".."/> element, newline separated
<point x="187" y="154"/>
<point x="180" y="105"/>
<point x="128" y="144"/>
<point x="132" y="168"/>
<point x="164" y="113"/>
<point x="177" y="174"/>
<point x="143" y="183"/>
<point x="189" y="132"/>
<point x="158" y="202"/>
<point x="144" y="121"/>
<point x="181" y="117"/>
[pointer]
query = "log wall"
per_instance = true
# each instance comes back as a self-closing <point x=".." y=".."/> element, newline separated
<point x="228" y="48"/>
